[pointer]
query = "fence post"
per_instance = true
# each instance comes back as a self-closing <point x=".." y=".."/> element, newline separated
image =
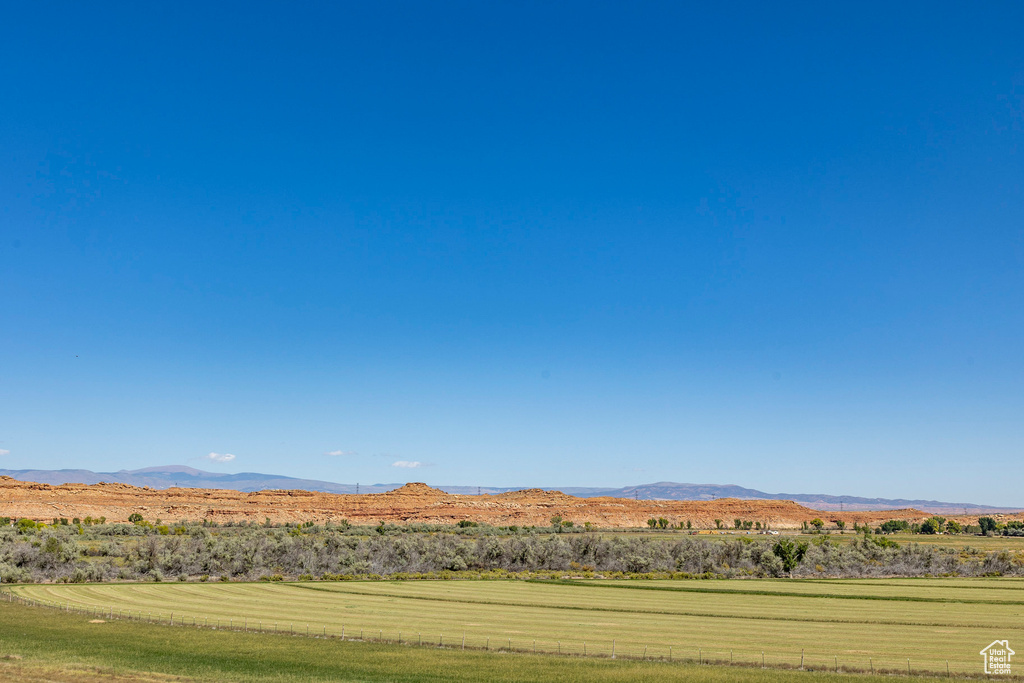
<point x="801" y="659"/>
<point x="871" y="662"/>
<point x="487" y="643"/>
<point x="837" y="663"/>
<point x="700" y="656"/>
<point x="908" y="666"/>
<point x="613" y="647"/>
<point x="645" y="652"/>
<point x="762" y="659"/>
<point x="947" y="668"/>
<point x="463" y="640"/>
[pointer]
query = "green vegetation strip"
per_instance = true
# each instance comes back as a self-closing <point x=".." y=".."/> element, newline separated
<point x="789" y="594"/>
<point x="592" y="608"/>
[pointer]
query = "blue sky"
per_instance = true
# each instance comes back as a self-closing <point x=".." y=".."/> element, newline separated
<point x="518" y="243"/>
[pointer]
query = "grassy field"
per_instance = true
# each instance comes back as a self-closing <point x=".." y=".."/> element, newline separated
<point x="855" y="624"/>
<point x="38" y="645"/>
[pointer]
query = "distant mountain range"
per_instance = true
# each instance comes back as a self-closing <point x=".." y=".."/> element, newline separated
<point x="189" y="477"/>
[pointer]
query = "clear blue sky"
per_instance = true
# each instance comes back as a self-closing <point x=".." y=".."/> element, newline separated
<point x="518" y="243"/>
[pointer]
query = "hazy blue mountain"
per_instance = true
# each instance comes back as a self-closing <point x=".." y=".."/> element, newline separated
<point x="189" y="477"/>
<point x="667" y="490"/>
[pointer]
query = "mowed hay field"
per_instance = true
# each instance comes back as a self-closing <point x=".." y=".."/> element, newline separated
<point x="857" y="624"/>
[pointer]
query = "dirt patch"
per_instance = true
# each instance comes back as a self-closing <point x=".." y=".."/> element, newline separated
<point x="41" y="673"/>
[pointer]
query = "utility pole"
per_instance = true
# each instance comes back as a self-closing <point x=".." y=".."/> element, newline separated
<point x="357" y="488"/>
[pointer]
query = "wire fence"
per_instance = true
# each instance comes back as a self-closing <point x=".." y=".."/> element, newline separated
<point x="613" y="649"/>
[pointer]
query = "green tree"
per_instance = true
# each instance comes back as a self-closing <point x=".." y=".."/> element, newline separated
<point x="930" y="526"/>
<point x="737" y="523"/>
<point x="689" y="524"/>
<point x="893" y="525"/>
<point x="988" y="525"/>
<point x="953" y="527"/>
<point x="662" y="523"/>
<point x="840" y="524"/>
<point x="134" y="518"/>
<point x="652" y="522"/>
<point x="718" y="524"/>
<point x="817" y="524"/>
<point x="789" y="552"/>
